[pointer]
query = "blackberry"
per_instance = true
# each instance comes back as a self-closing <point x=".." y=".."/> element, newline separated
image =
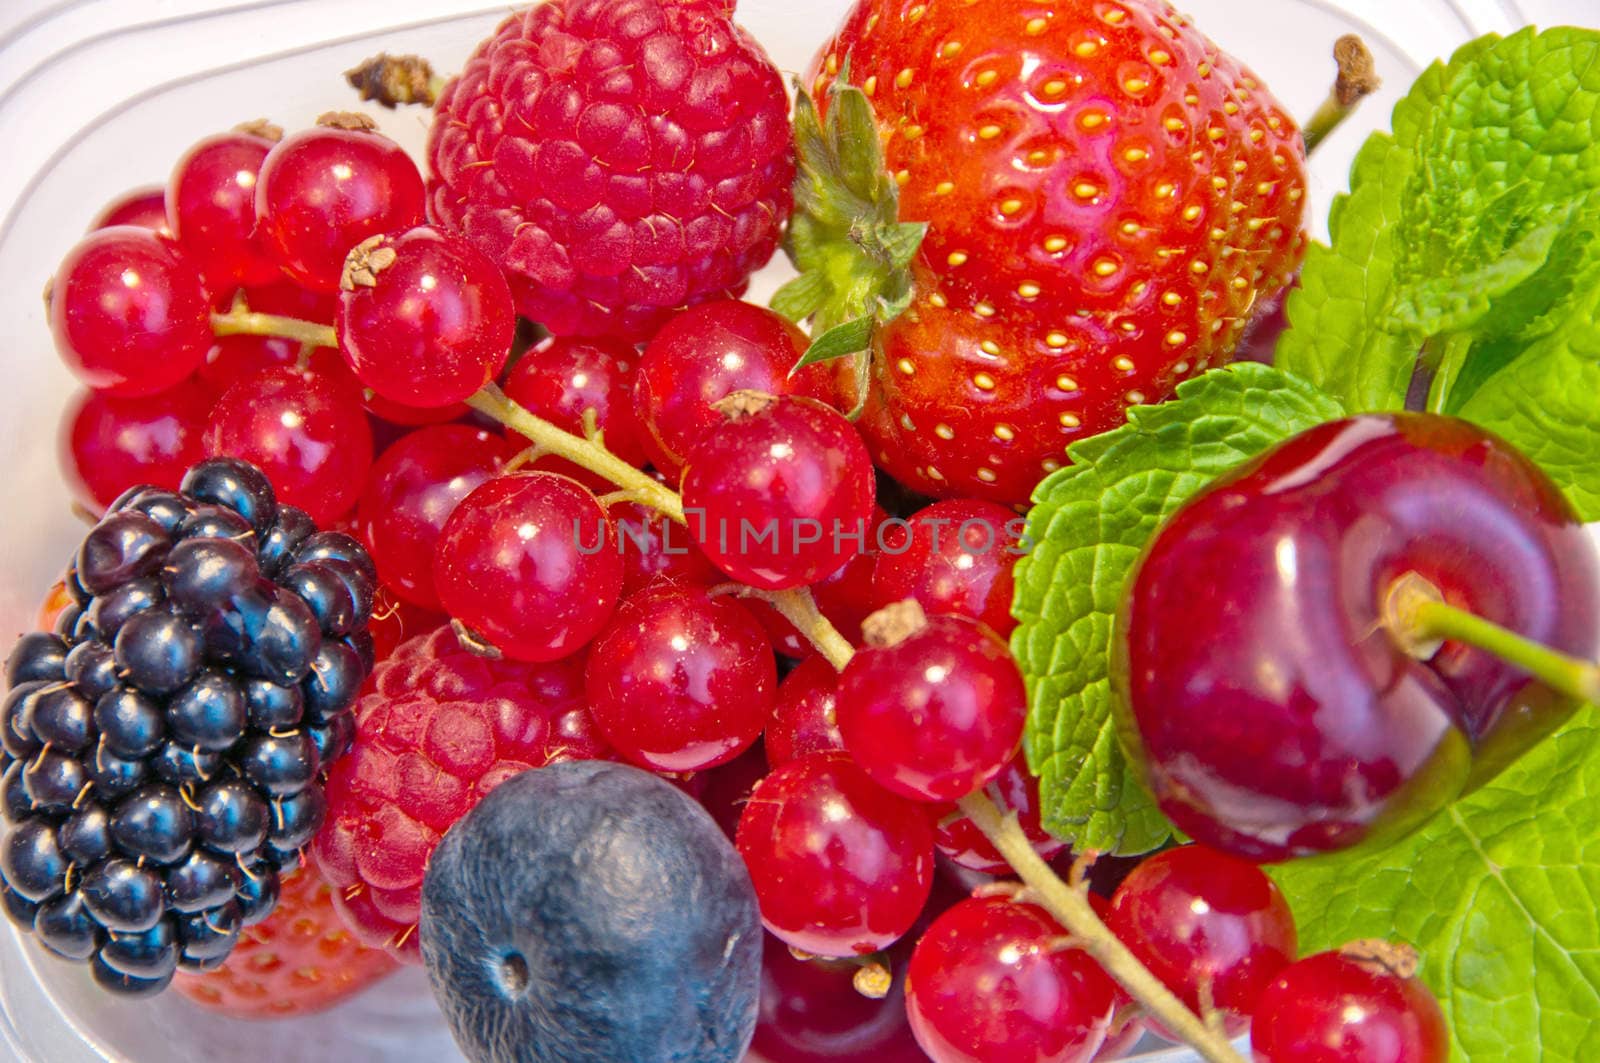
<point x="165" y="747"/>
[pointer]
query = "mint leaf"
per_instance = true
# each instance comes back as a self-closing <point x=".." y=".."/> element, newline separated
<point x="1089" y="524"/>
<point x="1498" y="892"/>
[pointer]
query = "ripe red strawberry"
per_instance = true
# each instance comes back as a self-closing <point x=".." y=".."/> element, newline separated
<point x="300" y="959"/>
<point x="618" y="159"/>
<point x="1105" y="194"/>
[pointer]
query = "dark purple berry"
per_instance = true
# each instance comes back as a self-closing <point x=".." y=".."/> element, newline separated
<point x="124" y="985"/>
<point x="85" y="836"/>
<point x="294" y="526"/>
<point x="237" y="485"/>
<point x="122" y="547"/>
<point x="214" y="522"/>
<point x="131" y="724"/>
<point x="281" y="765"/>
<point x="37" y="655"/>
<point x="201" y="882"/>
<point x="231" y="817"/>
<point x="209" y="714"/>
<point x="205" y="574"/>
<point x="115" y="776"/>
<point x="158" y="652"/>
<point x="272" y="706"/>
<point x="54" y="782"/>
<point x="153" y="823"/>
<point x="121" y="895"/>
<point x="165" y="508"/>
<point x="151" y="953"/>
<point x="327" y="593"/>
<point x="14" y="799"/>
<point x="31" y="861"/>
<point x="209" y="935"/>
<point x="116" y="607"/>
<point x="335" y="680"/>
<point x="92" y="669"/>
<point x="61" y="717"/>
<point x="258" y="894"/>
<point x="297" y="818"/>
<point x="65" y="927"/>
<point x="179" y="764"/>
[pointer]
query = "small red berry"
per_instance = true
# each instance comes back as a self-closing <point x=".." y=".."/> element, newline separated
<point x="1340" y="1007"/>
<point x="562" y="379"/>
<point x="804" y="719"/>
<point x="654" y="547"/>
<point x="956" y="557"/>
<point x="144" y="207"/>
<point x="1014" y="790"/>
<point x="109" y="444"/>
<point x="211" y="208"/>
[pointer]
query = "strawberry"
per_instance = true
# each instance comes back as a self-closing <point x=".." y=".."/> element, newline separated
<point x="1075" y="206"/>
<point x="300" y="959"/>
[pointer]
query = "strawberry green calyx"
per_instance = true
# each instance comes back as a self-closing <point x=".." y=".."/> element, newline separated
<point x="846" y="238"/>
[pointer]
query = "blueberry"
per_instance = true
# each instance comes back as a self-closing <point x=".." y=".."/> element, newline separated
<point x="31" y="861"/>
<point x="92" y="669"/>
<point x="85" y="836"/>
<point x="209" y="714"/>
<point x="209" y="935"/>
<point x="18" y="805"/>
<point x="116" y="607"/>
<point x="327" y="594"/>
<point x="158" y="651"/>
<point x="131" y="724"/>
<point x="280" y="765"/>
<point x="297" y="818"/>
<point x="231" y="817"/>
<point x="149" y="953"/>
<point x="334" y="738"/>
<point x="15" y="737"/>
<point x="66" y="928"/>
<point x="266" y="632"/>
<point x="236" y="484"/>
<point x="37" y="655"/>
<point x="293" y="527"/>
<point x="19" y="909"/>
<point x="153" y="823"/>
<point x="54" y="782"/>
<point x="122" y="547"/>
<point x="590" y="911"/>
<point x="178" y="764"/>
<point x="272" y="707"/>
<point x="114" y="776"/>
<point x="121" y="895"/>
<point x="164" y="507"/>
<point x="202" y="881"/>
<point x="214" y="522"/>
<point x="335" y="681"/>
<point x="60" y="716"/>
<point x="258" y="893"/>
<point x="203" y="574"/>
<point x="125" y="985"/>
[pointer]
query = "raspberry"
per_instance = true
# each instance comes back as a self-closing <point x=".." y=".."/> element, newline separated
<point x="619" y="160"/>
<point x="438" y="728"/>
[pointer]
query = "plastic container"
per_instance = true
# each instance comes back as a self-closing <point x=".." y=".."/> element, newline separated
<point x="98" y="96"/>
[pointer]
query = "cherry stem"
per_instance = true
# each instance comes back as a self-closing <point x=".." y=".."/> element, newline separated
<point x="1071" y="909"/>
<point x="1418" y="617"/>
<point x="241" y="322"/>
<point x="1357" y="79"/>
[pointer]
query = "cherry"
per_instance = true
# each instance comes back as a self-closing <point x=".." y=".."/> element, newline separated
<point x="1337" y="1008"/>
<point x="412" y="490"/>
<point x="956" y="557"/>
<point x="1206" y="923"/>
<point x="993" y="981"/>
<point x="705" y="354"/>
<point x="563" y="378"/>
<point x="304" y="429"/>
<point x="529" y="562"/>
<point x="129" y="312"/>
<point x="811" y="1012"/>
<point x="143" y="207"/>
<point x="681" y="680"/>
<point x="781" y="494"/>
<point x="934" y="707"/>
<point x="109" y="444"/>
<point x="322" y="191"/>
<point x="841" y="866"/>
<point x="654" y="547"/>
<point x="425" y="318"/>
<point x="211" y="208"/>
<point x="1013" y="790"/>
<point x="1274" y="712"/>
<point x="803" y="718"/>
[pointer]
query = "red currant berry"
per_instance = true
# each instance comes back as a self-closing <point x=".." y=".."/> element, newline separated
<point x="287" y="299"/>
<point x="322" y="191"/>
<point x="561" y="379"/>
<point x="1201" y="919"/>
<point x="811" y="1012"/>
<point x="956" y="557"/>
<point x="654" y="547"/>
<point x="304" y="429"/>
<point x="933" y="707"/>
<point x="727" y="788"/>
<point x="129" y="312"/>
<point x="109" y="444"/>
<point x="1013" y="790"/>
<point x="1337" y="1008"/>
<point x="782" y="492"/>
<point x="840" y="865"/>
<point x="803" y="720"/>
<point x="681" y="680"/>
<point x="425" y="319"/>
<point x="233" y="357"/>
<point x="707" y="353"/>
<point x="410" y="494"/>
<point x="143" y="207"/>
<point x="211" y="207"/>
<point x="529" y="562"/>
<point x="993" y="981"/>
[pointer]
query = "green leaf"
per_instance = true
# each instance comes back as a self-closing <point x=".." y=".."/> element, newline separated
<point x="1499" y="893"/>
<point x="800" y="297"/>
<point x="1089" y="524"/>
<point x="838" y="342"/>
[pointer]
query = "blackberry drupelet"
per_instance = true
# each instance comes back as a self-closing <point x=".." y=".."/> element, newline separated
<point x="164" y="749"/>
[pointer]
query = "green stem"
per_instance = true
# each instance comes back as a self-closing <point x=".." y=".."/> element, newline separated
<point x="248" y="323"/>
<point x="1356" y="80"/>
<point x="800" y="609"/>
<point x="1451" y="361"/>
<point x="1071" y="909"/>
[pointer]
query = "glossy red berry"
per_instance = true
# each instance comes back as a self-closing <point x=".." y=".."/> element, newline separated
<point x="781" y="494"/>
<point x="727" y="787"/>
<point x="109" y="444"/>
<point x="426" y="318"/>
<point x="681" y="680"/>
<point x="933" y="707"/>
<point x="707" y="353"/>
<point x="1014" y="790"/>
<point x="411" y="492"/>
<point x="803" y="718"/>
<point x="129" y="312"/>
<point x="841" y="866"/>
<point x="143" y="207"/>
<point x="562" y="378"/>
<point x="654" y="547"/>
<point x="304" y="429"/>
<point x="845" y="598"/>
<point x="1336" y="1008"/>
<point x="288" y="299"/>
<point x="993" y="981"/>
<point x="322" y="191"/>
<point x="1198" y="918"/>
<point x="811" y="1012"/>
<point x="529" y="562"/>
<point x="232" y="357"/>
<point x="211" y="207"/>
<point x="956" y="557"/>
